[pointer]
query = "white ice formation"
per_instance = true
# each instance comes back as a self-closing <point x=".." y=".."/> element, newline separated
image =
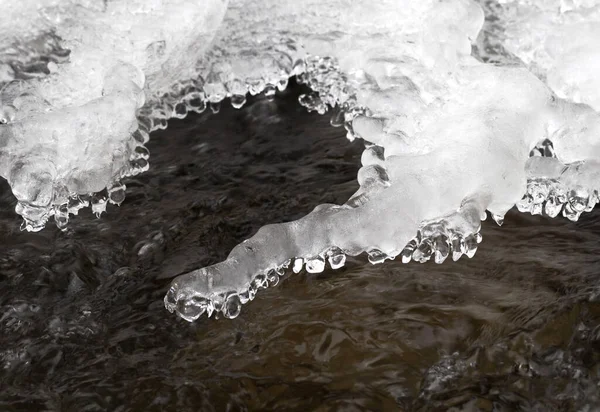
<point x="460" y="114"/>
<point x="73" y="76"/>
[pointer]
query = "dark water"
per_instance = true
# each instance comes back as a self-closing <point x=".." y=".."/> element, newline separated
<point x="83" y="327"/>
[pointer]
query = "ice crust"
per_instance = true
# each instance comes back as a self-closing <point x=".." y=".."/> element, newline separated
<point x="461" y="114"/>
<point x="558" y="41"/>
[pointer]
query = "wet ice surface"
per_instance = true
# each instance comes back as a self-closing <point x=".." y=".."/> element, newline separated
<point x="83" y="327"/>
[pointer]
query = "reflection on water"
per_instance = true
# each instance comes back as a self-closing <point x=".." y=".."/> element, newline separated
<point x="83" y="326"/>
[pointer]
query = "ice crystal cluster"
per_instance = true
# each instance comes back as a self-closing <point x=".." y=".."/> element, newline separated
<point x="464" y="109"/>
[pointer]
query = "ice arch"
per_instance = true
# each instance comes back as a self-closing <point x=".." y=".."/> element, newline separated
<point x="447" y="136"/>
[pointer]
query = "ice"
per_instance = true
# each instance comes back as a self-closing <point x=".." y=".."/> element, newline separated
<point x="461" y="114"/>
<point x="73" y="76"/>
<point x="558" y="41"/>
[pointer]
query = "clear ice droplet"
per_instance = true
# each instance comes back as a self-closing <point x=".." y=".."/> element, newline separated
<point x="376" y="256"/>
<point x="315" y="265"/>
<point x="298" y="263"/>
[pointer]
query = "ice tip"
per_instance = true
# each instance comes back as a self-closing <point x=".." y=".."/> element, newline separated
<point x="187" y="306"/>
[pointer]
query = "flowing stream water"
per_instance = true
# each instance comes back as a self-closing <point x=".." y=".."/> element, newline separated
<point x="83" y="326"/>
